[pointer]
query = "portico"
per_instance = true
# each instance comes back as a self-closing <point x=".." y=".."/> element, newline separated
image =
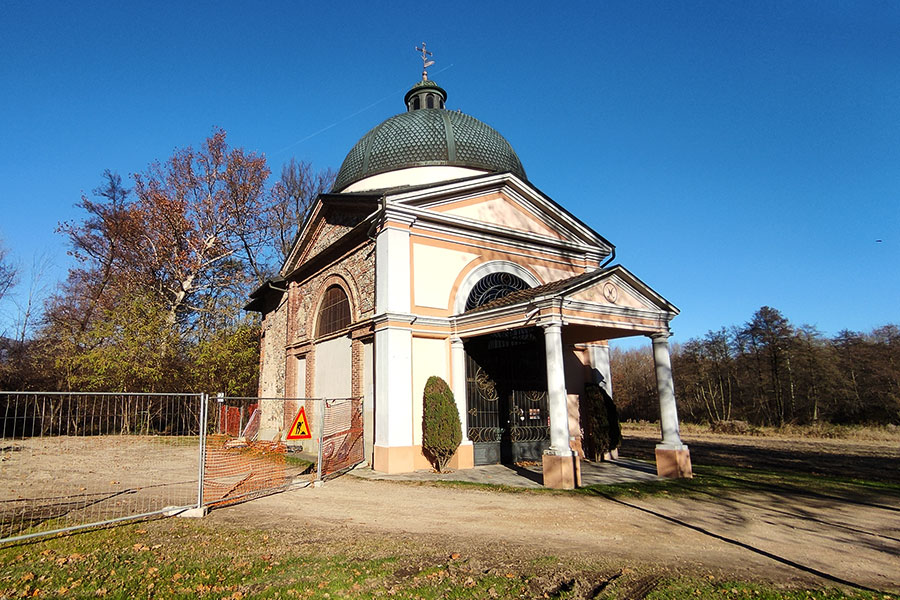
<point x="580" y="314"/>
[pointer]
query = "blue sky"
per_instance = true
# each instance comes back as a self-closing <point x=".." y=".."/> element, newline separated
<point x="738" y="154"/>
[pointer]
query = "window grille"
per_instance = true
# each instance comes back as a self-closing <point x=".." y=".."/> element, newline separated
<point x="493" y="286"/>
<point x="334" y="313"/>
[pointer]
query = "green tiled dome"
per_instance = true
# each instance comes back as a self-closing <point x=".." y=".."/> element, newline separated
<point x="428" y="137"/>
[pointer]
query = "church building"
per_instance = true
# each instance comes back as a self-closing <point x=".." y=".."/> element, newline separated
<point x="435" y="255"/>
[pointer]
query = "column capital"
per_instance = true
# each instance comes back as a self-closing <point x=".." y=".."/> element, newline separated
<point x="456" y="342"/>
<point x="555" y="324"/>
<point x="660" y="335"/>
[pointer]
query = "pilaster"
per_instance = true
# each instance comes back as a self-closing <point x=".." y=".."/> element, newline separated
<point x="458" y="383"/>
<point x="393" y="450"/>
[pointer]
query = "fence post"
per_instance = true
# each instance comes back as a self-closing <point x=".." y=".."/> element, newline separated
<point x="220" y="398"/>
<point x="204" y="410"/>
<point x="321" y="428"/>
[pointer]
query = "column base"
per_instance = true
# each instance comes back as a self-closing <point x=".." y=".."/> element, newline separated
<point x="562" y="472"/>
<point x="674" y="463"/>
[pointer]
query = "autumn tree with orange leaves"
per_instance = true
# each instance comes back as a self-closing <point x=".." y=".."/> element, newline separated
<point x="163" y="269"/>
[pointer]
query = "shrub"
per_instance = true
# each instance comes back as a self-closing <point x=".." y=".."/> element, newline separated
<point x="600" y="422"/>
<point x="441" y="430"/>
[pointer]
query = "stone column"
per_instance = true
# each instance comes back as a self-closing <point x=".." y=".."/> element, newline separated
<point x="672" y="456"/>
<point x="561" y="468"/>
<point x="556" y="391"/>
<point x="599" y="356"/>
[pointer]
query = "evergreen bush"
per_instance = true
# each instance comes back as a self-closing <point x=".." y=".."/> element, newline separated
<point x="441" y="429"/>
<point x="600" y="422"/>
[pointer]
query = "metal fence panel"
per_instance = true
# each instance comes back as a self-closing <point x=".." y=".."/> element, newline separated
<point x="73" y="460"/>
<point x="247" y="451"/>
<point x="342" y="436"/>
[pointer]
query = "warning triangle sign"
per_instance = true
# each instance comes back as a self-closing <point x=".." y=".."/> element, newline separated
<point x="300" y="428"/>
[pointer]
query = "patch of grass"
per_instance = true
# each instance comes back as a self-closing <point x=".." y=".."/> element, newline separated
<point x="861" y="433"/>
<point x="188" y="559"/>
<point x="488" y="487"/>
<point x="687" y="587"/>
<point x="174" y="440"/>
<point x="718" y="480"/>
<point x="707" y="480"/>
<point x="301" y="463"/>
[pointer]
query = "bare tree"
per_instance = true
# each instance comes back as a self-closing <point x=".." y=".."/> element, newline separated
<point x="292" y="199"/>
<point x="8" y="273"/>
<point x="34" y="297"/>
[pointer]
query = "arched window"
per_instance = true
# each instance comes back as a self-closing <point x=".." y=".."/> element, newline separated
<point x="334" y="312"/>
<point x="493" y="286"/>
<point x="430" y="101"/>
<point x="417" y="104"/>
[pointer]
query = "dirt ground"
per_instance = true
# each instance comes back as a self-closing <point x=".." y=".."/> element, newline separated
<point x="787" y="538"/>
<point x="778" y="536"/>
<point x="67" y="465"/>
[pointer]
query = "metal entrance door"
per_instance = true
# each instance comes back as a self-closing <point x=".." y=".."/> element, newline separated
<point x="506" y="396"/>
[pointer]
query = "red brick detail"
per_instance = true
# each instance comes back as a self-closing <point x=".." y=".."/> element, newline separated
<point x="356" y="369"/>
<point x="310" y="372"/>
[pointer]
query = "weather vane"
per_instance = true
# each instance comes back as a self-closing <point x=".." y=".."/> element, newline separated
<point x="425" y="62"/>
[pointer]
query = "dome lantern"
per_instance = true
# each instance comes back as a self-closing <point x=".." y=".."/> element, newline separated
<point x="425" y="94"/>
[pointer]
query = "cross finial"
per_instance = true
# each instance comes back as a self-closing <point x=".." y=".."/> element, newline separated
<point x="425" y="62"/>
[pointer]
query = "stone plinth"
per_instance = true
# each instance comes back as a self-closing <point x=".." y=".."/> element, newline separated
<point x="562" y="472"/>
<point x="674" y="463"/>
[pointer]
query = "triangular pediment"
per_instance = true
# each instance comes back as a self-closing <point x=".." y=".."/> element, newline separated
<point x="331" y="219"/>
<point x="504" y="204"/>
<point x="595" y="305"/>
<point x="498" y="209"/>
<point x="618" y="290"/>
<point x="612" y="287"/>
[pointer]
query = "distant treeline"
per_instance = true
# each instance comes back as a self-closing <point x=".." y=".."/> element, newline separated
<point x="770" y="372"/>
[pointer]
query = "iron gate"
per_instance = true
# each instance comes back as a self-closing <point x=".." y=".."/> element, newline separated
<point x="506" y="396"/>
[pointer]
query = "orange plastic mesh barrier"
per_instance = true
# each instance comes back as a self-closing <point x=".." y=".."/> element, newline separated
<point x="237" y="470"/>
<point x="342" y="438"/>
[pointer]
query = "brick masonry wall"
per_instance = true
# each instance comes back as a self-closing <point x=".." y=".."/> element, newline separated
<point x="330" y="230"/>
<point x="288" y="332"/>
<point x="274" y="339"/>
<point x="355" y="271"/>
